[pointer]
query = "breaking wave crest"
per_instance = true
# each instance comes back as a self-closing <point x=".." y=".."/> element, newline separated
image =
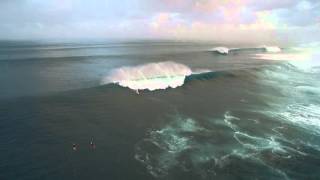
<point x="150" y="76"/>
<point x="220" y="50"/>
<point x="272" y="49"/>
<point x="225" y="50"/>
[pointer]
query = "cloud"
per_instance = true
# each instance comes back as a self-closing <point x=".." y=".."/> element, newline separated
<point x="174" y="26"/>
<point x="199" y="19"/>
<point x="303" y="13"/>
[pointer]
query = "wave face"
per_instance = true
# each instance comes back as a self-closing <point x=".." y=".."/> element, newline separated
<point x="151" y="76"/>
<point x="220" y="50"/>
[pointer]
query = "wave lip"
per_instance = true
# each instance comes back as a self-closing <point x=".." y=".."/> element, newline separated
<point x="220" y="50"/>
<point x="152" y="76"/>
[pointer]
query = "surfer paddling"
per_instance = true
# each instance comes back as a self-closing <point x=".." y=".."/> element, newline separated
<point x="92" y="144"/>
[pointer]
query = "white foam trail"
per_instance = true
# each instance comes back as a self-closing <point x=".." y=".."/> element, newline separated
<point x="256" y="144"/>
<point x="306" y="116"/>
<point x="170" y="141"/>
<point x="151" y="76"/>
<point x="220" y="50"/>
<point x="228" y="118"/>
<point x="177" y="146"/>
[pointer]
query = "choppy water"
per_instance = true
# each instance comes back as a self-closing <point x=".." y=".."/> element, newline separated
<point x="214" y="116"/>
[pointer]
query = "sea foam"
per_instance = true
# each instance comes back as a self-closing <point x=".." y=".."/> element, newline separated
<point x="306" y="116"/>
<point x="152" y="76"/>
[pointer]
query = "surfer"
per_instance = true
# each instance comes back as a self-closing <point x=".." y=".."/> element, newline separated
<point x="74" y="146"/>
<point x="92" y="144"/>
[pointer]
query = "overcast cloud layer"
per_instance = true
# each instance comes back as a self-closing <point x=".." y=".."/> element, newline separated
<point x="220" y="20"/>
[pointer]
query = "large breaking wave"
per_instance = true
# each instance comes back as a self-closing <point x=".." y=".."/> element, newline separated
<point x="152" y="76"/>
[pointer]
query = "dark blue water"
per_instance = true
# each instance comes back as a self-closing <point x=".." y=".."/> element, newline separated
<point x="236" y="118"/>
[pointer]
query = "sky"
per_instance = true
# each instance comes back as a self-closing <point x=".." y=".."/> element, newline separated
<point x="213" y="20"/>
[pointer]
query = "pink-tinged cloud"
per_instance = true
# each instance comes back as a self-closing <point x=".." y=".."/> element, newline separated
<point x="205" y="19"/>
<point x="173" y="26"/>
<point x="212" y="5"/>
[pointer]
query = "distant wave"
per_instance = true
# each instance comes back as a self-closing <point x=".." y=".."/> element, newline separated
<point x="152" y="76"/>
<point x="273" y="49"/>
<point x="225" y="50"/>
<point x="220" y="50"/>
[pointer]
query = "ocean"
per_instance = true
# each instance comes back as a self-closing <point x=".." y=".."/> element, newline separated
<point x="158" y="110"/>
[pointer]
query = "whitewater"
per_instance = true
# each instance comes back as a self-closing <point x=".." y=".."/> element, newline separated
<point x="152" y="76"/>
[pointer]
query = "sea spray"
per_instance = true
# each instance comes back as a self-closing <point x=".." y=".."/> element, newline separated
<point x="150" y="76"/>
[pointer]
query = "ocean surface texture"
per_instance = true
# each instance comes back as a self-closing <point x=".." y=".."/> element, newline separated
<point x="158" y="110"/>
